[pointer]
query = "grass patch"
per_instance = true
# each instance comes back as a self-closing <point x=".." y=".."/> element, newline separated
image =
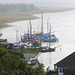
<point x="24" y="51"/>
<point x="3" y="25"/>
<point x="14" y="16"/>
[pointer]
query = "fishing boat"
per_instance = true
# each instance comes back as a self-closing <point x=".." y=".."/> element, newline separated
<point x="46" y="37"/>
<point x="30" y="38"/>
<point x="48" y="50"/>
<point x="45" y="49"/>
<point x="35" y="40"/>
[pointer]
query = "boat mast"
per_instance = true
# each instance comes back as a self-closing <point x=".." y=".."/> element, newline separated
<point x="28" y="33"/>
<point x="48" y="25"/>
<point x="50" y="30"/>
<point x="17" y="36"/>
<point x="30" y="27"/>
<point x="42" y="24"/>
<point x="50" y="35"/>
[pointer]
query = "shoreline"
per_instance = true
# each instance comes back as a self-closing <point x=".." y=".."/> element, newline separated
<point x="56" y="9"/>
<point x="20" y="16"/>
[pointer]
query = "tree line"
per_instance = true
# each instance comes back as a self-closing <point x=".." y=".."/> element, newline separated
<point x="17" y="8"/>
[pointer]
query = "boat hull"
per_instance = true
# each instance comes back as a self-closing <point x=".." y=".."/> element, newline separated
<point x="48" y="50"/>
<point x="50" y="40"/>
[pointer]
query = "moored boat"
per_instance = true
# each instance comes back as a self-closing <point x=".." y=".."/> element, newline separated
<point x="46" y="37"/>
<point x="48" y="50"/>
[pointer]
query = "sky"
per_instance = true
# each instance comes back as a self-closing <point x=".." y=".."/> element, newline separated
<point x="62" y="3"/>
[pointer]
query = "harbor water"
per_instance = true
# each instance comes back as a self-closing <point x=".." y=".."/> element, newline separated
<point x="63" y="25"/>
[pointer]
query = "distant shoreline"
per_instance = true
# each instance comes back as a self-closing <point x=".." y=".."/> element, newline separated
<point x="19" y="16"/>
<point x="55" y="9"/>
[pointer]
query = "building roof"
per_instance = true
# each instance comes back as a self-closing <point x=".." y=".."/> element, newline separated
<point x="69" y="61"/>
<point x="5" y="43"/>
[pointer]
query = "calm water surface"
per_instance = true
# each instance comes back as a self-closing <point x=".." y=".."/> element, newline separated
<point x="63" y="24"/>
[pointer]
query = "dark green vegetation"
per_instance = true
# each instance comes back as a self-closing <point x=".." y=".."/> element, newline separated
<point x="52" y="72"/>
<point x="11" y="64"/>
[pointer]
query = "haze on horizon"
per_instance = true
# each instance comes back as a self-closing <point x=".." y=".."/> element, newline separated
<point x="47" y="3"/>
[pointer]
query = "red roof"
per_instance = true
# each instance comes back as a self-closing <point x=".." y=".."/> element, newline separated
<point x="6" y="43"/>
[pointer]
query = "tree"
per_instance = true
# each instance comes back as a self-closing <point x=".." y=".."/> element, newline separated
<point x="11" y="64"/>
<point x="17" y="8"/>
<point x="2" y="52"/>
<point x="39" y="69"/>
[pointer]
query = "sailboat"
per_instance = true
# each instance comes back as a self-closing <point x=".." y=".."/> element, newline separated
<point x="29" y="38"/>
<point x="46" y="37"/>
<point x="49" y="36"/>
<point x="48" y="49"/>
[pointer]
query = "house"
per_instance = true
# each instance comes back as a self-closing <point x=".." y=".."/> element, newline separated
<point x="7" y="45"/>
<point x="67" y="65"/>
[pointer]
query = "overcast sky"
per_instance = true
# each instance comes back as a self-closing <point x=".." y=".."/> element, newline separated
<point x="69" y="3"/>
